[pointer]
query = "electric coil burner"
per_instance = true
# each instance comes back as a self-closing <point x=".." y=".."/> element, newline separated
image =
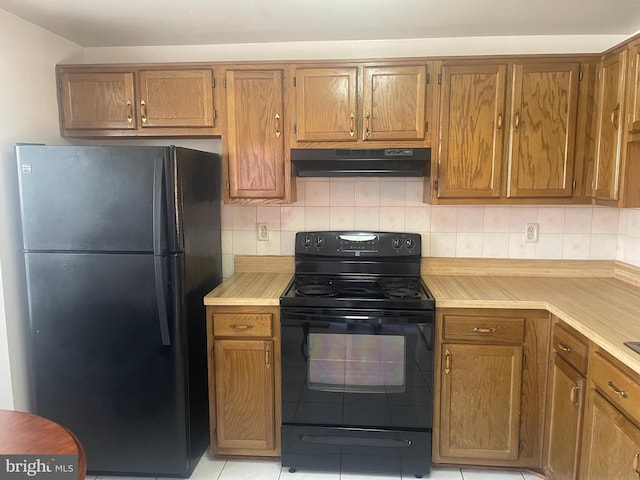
<point x="357" y="355"/>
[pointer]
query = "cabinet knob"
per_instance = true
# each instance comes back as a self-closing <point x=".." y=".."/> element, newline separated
<point x="143" y="111"/>
<point x="129" y="113"/>
<point x="484" y="330"/>
<point x="277" y="118"/>
<point x="352" y="118"/>
<point x="564" y="347"/>
<point x="447" y="362"/>
<point x="235" y="326"/>
<point x="616" y="390"/>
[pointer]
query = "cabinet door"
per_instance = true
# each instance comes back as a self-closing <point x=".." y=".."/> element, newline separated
<point x="566" y="400"/>
<point x="609" y="133"/>
<point x="394" y="102"/>
<point x="244" y="380"/>
<point x="633" y="96"/>
<point x="471" y="131"/>
<point x="176" y="98"/>
<point x="611" y="449"/>
<point x="97" y="101"/>
<point x="480" y="401"/>
<point x="326" y="104"/>
<point x="254" y="133"/>
<point x="543" y="129"/>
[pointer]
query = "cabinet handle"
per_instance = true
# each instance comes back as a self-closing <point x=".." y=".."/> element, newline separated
<point x="447" y="362"/>
<point x="277" y="117"/>
<point x="267" y="356"/>
<point x="573" y="396"/>
<point x="615" y="116"/>
<point x="636" y="462"/>
<point x="367" y="130"/>
<point x="564" y="347"/>
<point x="616" y="390"/>
<point x="129" y="113"/>
<point x="484" y="330"/>
<point x="499" y="123"/>
<point x="143" y="111"/>
<point x="352" y="118"/>
<point x="516" y="122"/>
<point x="235" y="326"/>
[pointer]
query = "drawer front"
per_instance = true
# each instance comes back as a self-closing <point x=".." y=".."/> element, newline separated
<point x="242" y="324"/>
<point x="616" y="385"/>
<point x="571" y="348"/>
<point x="483" y="329"/>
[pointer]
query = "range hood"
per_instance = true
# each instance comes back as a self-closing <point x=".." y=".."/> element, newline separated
<point x="381" y="162"/>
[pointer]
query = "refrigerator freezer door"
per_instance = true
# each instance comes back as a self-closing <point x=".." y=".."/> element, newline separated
<point x="95" y="198"/>
<point x="99" y="364"/>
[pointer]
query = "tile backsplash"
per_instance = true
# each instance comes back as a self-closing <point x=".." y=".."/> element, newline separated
<point x="565" y="232"/>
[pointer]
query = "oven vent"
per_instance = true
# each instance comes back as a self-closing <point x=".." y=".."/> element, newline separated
<point x="379" y="162"/>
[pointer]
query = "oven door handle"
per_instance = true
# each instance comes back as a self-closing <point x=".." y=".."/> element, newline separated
<point x="356" y="441"/>
<point x="388" y="316"/>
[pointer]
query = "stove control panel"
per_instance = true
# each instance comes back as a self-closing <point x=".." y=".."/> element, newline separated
<point x="359" y="244"/>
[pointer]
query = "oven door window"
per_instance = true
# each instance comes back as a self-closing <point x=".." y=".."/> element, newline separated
<point x="356" y="363"/>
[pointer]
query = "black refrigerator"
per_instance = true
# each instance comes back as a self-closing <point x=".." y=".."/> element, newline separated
<point x="120" y="246"/>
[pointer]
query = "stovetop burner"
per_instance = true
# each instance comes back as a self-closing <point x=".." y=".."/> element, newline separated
<point x="357" y="270"/>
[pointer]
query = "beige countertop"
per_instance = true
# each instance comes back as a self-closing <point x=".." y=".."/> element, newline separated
<point x="250" y="289"/>
<point x="605" y="310"/>
<point x="586" y="295"/>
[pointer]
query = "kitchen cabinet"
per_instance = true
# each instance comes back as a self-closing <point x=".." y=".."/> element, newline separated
<point x="507" y="132"/>
<point x="360" y="105"/>
<point x="103" y="101"/>
<point x="633" y="92"/>
<point x="490" y="370"/>
<point x="611" y="447"/>
<point x="244" y="380"/>
<point x="610" y="128"/>
<point x="565" y="403"/>
<point x="255" y="162"/>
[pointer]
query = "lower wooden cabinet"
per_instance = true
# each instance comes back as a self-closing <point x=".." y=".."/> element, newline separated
<point x="565" y="404"/>
<point x="612" y="443"/>
<point x="490" y="378"/>
<point x="244" y="380"/>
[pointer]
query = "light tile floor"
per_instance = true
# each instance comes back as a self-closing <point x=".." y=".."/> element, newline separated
<point x="210" y="468"/>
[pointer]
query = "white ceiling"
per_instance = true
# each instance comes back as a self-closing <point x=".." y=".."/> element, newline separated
<point x="103" y="23"/>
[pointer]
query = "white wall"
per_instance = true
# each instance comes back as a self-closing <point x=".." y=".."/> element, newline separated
<point x="29" y="114"/>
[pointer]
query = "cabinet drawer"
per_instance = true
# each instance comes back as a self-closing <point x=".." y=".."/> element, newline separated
<point x="483" y="329"/>
<point x="242" y="324"/>
<point x="616" y="385"/>
<point x="571" y="347"/>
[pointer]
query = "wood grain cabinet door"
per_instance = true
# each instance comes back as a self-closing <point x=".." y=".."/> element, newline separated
<point x="633" y="95"/>
<point x="176" y="98"/>
<point x="326" y="104"/>
<point x="472" y="128"/>
<point x="610" y="128"/>
<point x="543" y="130"/>
<point x="394" y="103"/>
<point x="244" y="382"/>
<point x="564" y="425"/>
<point x="611" y="448"/>
<point x="480" y="401"/>
<point x="101" y="101"/>
<point x="254" y="137"/>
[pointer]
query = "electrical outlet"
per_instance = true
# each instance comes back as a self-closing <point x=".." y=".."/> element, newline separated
<point x="263" y="232"/>
<point x="531" y="234"/>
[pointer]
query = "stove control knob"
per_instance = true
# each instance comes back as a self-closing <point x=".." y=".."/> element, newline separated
<point x="319" y="242"/>
<point x="396" y="243"/>
<point x="409" y="243"/>
<point x="306" y="241"/>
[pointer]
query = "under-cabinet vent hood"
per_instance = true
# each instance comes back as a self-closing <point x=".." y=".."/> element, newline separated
<point x="380" y="162"/>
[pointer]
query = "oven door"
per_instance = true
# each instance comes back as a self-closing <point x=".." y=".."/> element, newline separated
<point x="357" y="368"/>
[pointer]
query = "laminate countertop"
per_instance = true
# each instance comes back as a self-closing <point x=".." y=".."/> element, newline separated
<point x="605" y="310"/>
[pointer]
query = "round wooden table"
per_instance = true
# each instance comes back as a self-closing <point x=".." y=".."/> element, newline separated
<point x="27" y="434"/>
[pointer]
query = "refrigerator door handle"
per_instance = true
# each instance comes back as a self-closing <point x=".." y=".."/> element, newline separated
<point x="157" y="206"/>
<point x="163" y="318"/>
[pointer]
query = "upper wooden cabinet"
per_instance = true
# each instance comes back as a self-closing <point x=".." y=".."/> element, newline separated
<point x="610" y="127"/>
<point x="355" y="105"/>
<point x="633" y="93"/>
<point x="255" y="161"/>
<point x="507" y="132"/>
<point x="126" y="101"/>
